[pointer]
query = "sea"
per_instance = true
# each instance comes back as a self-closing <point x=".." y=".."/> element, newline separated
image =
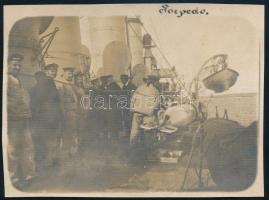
<point x="243" y="108"/>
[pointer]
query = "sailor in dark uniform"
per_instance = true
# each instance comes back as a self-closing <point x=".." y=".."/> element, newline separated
<point x="127" y="84"/>
<point x="114" y="117"/>
<point x="103" y="109"/>
<point x="127" y="89"/>
<point x="81" y="111"/>
<point x="46" y="111"/>
<point x="95" y="83"/>
<point x="95" y="115"/>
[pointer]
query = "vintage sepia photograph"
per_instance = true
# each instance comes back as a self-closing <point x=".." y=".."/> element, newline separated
<point x="133" y="100"/>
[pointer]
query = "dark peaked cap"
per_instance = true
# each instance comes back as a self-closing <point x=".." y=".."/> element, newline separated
<point x="50" y="66"/>
<point x="124" y="75"/>
<point x="68" y="69"/>
<point x="78" y="73"/>
<point x="15" y="57"/>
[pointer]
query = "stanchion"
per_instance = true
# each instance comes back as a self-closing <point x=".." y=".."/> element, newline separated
<point x="198" y="133"/>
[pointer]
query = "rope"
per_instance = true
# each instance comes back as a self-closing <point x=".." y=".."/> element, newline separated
<point x="135" y="33"/>
<point x="156" y="35"/>
<point x="166" y="60"/>
<point x="162" y="54"/>
<point x="164" y="57"/>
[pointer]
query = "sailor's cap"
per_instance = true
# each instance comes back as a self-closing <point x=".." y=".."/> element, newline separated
<point x="154" y="74"/>
<point x="68" y="69"/>
<point x="15" y="57"/>
<point x="109" y="76"/>
<point x="78" y="73"/>
<point x="51" y="66"/>
<point x="124" y="76"/>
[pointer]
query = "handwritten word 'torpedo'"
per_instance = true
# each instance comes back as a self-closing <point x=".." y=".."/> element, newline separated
<point x="166" y="9"/>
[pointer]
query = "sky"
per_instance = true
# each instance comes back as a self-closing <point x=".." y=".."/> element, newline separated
<point x="190" y="41"/>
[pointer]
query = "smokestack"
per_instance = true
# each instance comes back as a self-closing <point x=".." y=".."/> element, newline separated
<point x="24" y="40"/>
<point x="135" y="39"/>
<point x="66" y="49"/>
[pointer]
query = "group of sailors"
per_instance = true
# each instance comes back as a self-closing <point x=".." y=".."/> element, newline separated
<point x="49" y="123"/>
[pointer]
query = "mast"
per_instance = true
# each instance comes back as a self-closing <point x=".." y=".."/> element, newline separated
<point x="127" y="32"/>
<point x="128" y="43"/>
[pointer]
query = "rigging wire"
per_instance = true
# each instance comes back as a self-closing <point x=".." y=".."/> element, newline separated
<point x="157" y="46"/>
<point x="156" y="35"/>
<point x="164" y="57"/>
<point x="189" y="96"/>
<point x="138" y="35"/>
